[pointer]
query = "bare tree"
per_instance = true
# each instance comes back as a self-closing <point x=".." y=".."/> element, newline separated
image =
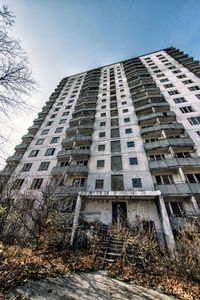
<point x="16" y="78"/>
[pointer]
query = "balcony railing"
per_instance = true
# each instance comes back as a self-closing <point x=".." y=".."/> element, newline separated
<point x="82" y="130"/>
<point x="75" y="170"/>
<point x="33" y="128"/>
<point x="161" y="106"/>
<point x="174" y="163"/>
<point x="14" y="158"/>
<point x="28" y="137"/>
<point x="175" y="128"/>
<point x="80" y="140"/>
<point x="74" y="153"/>
<point x="165" y="143"/>
<point x="167" y="116"/>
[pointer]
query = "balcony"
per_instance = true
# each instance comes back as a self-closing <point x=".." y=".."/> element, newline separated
<point x="75" y="170"/>
<point x="69" y="190"/>
<point x="174" y="163"/>
<point x="86" y="120"/>
<point x="194" y="68"/>
<point x="174" y="52"/>
<point x="138" y="81"/>
<point x="148" y="108"/>
<point x="50" y="102"/>
<point x="191" y="63"/>
<point x="145" y="92"/>
<point x="15" y="158"/>
<point x="54" y="96"/>
<point x="22" y="147"/>
<point x="33" y="129"/>
<point x="79" y="140"/>
<point x="81" y="130"/>
<point x="43" y="114"/>
<point x="148" y="99"/>
<point x="76" y="153"/>
<point x="47" y="107"/>
<point x="183" y="57"/>
<point x="28" y="137"/>
<point x="143" y="85"/>
<point x="176" y="128"/>
<point x="174" y="189"/>
<point x="87" y="104"/>
<point x="165" y="117"/>
<point x="164" y="144"/>
<point x="84" y="99"/>
<point x="84" y="112"/>
<point x="38" y="121"/>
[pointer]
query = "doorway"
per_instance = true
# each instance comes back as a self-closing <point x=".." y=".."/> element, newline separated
<point x="119" y="213"/>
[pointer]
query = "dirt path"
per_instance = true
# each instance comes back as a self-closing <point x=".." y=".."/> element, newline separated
<point x="84" y="286"/>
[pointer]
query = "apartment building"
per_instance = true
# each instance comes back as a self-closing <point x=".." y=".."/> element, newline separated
<point x="123" y="137"/>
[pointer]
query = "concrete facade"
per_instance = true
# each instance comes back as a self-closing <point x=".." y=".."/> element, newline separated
<point x="130" y="127"/>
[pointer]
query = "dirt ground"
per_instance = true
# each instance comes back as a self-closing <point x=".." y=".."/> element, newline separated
<point x="83" y="286"/>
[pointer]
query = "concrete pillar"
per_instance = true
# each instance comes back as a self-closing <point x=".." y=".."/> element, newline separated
<point x="195" y="205"/>
<point x="76" y="218"/>
<point x="169" y="237"/>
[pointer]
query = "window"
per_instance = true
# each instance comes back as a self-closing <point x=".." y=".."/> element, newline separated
<point x="123" y="96"/>
<point x="126" y="120"/>
<point x="128" y="130"/>
<point x="164" y="179"/>
<point x="64" y="163"/>
<point x="40" y="142"/>
<point x="101" y="147"/>
<point x="194" y="121"/>
<point x="198" y="132"/>
<point x="26" y="167"/>
<point x="114" y="112"/>
<point x="36" y="184"/>
<point x="187" y="81"/>
<point x="116" y="163"/>
<point x="59" y="103"/>
<point x="194" y="88"/>
<point x="133" y="161"/>
<point x="71" y="101"/>
<point x="100" y="163"/>
<point x="183" y="154"/>
<point x="99" y="184"/>
<point x="124" y="103"/>
<point x="117" y="183"/>
<point x="44" y="166"/>
<point x="33" y="153"/>
<point x="66" y="113"/>
<point x="79" y="182"/>
<point x="179" y="100"/>
<point x="181" y="76"/>
<point x="53" y="116"/>
<point x="103" y="114"/>
<point x="193" y="178"/>
<point x="167" y="64"/>
<point x="164" y="80"/>
<point x="49" y="123"/>
<point x="174" y="92"/>
<point x="49" y="151"/>
<point x="115" y="146"/>
<point x="102" y="134"/>
<point x="122" y="90"/>
<point x="68" y="106"/>
<point x="130" y="144"/>
<point x="198" y="96"/>
<point x="167" y="86"/>
<point x="18" y="184"/>
<point x="160" y="75"/>
<point x="114" y="122"/>
<point x="54" y="140"/>
<point x="59" y="129"/>
<point x="171" y="68"/>
<point x="175" y="209"/>
<point x="57" y="109"/>
<point x="45" y="131"/>
<point x="103" y="107"/>
<point x="156" y="157"/>
<point x="186" y="109"/>
<point x="125" y="110"/>
<point x="176" y="72"/>
<point x="62" y="121"/>
<point x="136" y="182"/>
<point x="102" y="123"/>
<point x="114" y="132"/>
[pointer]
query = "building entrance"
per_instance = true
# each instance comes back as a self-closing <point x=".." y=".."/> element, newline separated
<point x="119" y="214"/>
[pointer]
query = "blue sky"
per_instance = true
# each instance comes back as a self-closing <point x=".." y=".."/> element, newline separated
<point x="64" y="37"/>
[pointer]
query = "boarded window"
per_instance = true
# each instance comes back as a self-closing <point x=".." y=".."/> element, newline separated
<point x="117" y="183"/>
<point x="114" y="122"/>
<point x="114" y="112"/>
<point x="116" y="163"/>
<point x="99" y="184"/>
<point x="115" y="146"/>
<point x="113" y="104"/>
<point x="114" y="132"/>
